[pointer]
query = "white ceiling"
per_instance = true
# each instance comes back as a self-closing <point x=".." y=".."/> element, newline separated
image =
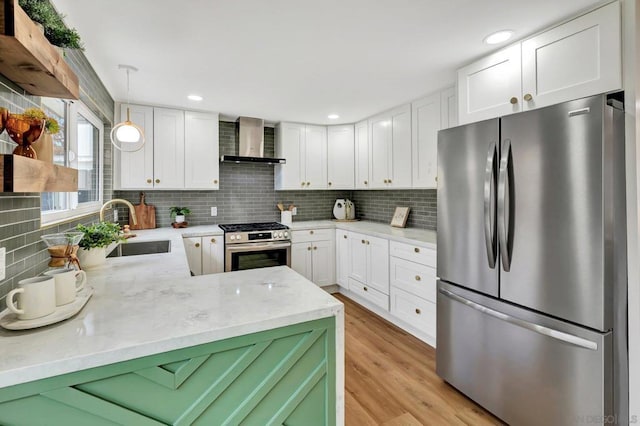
<point x="295" y="60"/>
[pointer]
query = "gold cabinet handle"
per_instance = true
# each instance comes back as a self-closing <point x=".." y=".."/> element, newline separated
<point x="418" y="311"/>
<point x="149" y="181"/>
<point x="528" y="97"/>
<point x="366" y="289"/>
<point x="418" y="278"/>
<point x="417" y="250"/>
<point x="513" y="100"/>
<point x="213" y="240"/>
<point x="311" y="232"/>
<point x="315" y="248"/>
<point x="157" y="180"/>
<point x="197" y="245"/>
<point x="366" y="183"/>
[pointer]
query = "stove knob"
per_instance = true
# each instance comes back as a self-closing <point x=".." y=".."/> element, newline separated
<point x="280" y="235"/>
<point x="239" y="237"/>
<point x="286" y="234"/>
<point x="232" y="237"/>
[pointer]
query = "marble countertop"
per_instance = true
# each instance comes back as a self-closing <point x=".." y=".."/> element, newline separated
<point x="425" y="237"/>
<point x="150" y="304"/>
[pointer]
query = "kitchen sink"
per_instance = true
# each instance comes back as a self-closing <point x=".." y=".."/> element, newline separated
<point x="142" y="247"/>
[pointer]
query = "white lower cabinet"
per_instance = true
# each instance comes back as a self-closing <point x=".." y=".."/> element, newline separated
<point x="370" y="261"/>
<point x="369" y="293"/>
<point x="415" y="311"/>
<point x="343" y="258"/>
<point x="205" y="255"/>
<point x="313" y="255"/>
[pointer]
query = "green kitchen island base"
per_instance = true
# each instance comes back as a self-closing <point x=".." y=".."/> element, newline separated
<point x="281" y="376"/>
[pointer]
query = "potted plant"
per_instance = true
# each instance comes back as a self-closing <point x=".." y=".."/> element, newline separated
<point x="179" y="213"/>
<point x="53" y="27"/>
<point x="94" y="243"/>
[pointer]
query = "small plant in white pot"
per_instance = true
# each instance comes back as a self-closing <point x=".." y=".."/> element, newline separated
<point x="94" y="243"/>
<point x="179" y="213"/>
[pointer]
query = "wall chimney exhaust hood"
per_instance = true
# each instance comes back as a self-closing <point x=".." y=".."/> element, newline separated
<point x="250" y="136"/>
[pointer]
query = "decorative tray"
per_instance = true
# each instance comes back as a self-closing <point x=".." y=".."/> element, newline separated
<point x="10" y="321"/>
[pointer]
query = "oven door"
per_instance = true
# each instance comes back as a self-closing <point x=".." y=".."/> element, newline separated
<point x="238" y="257"/>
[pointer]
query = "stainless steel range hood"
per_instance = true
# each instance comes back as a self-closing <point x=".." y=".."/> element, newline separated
<point x="250" y="135"/>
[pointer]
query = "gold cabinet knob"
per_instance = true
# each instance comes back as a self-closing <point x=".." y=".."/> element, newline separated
<point x="329" y="183"/>
<point x="513" y="100"/>
<point x="213" y="240"/>
<point x="157" y="180"/>
<point x="385" y="181"/>
<point x="417" y="250"/>
<point x="418" y="311"/>
<point x="366" y="183"/>
<point x="389" y="180"/>
<point x="308" y="183"/>
<point x="311" y="232"/>
<point x="215" y="181"/>
<point x="367" y="242"/>
<point x="366" y="289"/>
<point x="302" y="183"/>
<point x="344" y="236"/>
<point x="528" y="97"/>
<point x="362" y="241"/>
<point x="418" y="278"/>
<point x="197" y="245"/>
<point x="315" y="248"/>
<point x="149" y="181"/>
<point x="309" y="248"/>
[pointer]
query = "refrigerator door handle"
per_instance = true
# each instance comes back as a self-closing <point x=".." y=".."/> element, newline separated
<point x="489" y="191"/>
<point x="503" y="201"/>
<point x="540" y="329"/>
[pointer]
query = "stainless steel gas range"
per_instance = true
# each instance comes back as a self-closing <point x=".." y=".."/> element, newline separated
<point x="256" y="245"/>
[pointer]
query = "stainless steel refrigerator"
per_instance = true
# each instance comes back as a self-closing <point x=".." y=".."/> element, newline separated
<point x="532" y="308"/>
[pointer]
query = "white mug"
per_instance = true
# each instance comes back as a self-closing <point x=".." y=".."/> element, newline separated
<point x="68" y="283"/>
<point x="36" y="298"/>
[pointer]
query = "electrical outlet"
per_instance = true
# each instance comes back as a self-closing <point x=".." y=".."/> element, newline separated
<point x="294" y="211"/>
<point x="214" y="211"/>
<point x="3" y="263"/>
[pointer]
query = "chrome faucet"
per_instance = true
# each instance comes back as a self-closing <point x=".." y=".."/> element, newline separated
<point x="132" y="211"/>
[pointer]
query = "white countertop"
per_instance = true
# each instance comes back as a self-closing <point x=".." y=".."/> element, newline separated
<point x="425" y="237"/>
<point x="149" y="304"/>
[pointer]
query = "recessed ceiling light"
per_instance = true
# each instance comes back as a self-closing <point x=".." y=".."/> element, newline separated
<point x="498" y="37"/>
<point x="333" y="116"/>
<point x="194" y="97"/>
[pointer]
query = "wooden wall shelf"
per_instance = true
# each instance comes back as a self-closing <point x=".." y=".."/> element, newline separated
<point x="29" y="60"/>
<point x="22" y="174"/>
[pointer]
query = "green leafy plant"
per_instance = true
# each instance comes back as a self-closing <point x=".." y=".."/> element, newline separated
<point x="99" y="235"/>
<point x="179" y="211"/>
<point x="58" y="34"/>
<point x="50" y="124"/>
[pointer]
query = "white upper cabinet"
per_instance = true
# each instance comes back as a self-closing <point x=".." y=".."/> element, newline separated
<point x="390" y="149"/>
<point x="181" y="151"/>
<point x="426" y="121"/>
<point x="362" y="155"/>
<point x="491" y="86"/>
<point x="579" y="58"/>
<point x="136" y="168"/>
<point x="340" y="157"/>
<point x="448" y="108"/>
<point x="202" y="168"/>
<point x="305" y="149"/>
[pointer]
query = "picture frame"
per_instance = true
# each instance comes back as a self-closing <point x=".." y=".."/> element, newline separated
<point x="400" y="216"/>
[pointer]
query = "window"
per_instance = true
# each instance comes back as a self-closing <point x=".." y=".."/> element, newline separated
<point x="78" y="145"/>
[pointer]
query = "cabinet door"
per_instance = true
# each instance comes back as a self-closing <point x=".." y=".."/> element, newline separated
<point x="315" y="155"/>
<point x="136" y="168"/>
<point x="487" y="87"/>
<point x="193" y="250"/>
<point x="168" y="148"/>
<point x="448" y="108"/>
<point x="362" y="155"/>
<point x="577" y="59"/>
<point x="323" y="262"/>
<point x="380" y="142"/>
<point x="201" y="162"/>
<point x="340" y="157"/>
<point x="400" y="160"/>
<point x="358" y="257"/>
<point x="378" y="263"/>
<point x="426" y="116"/>
<point x="212" y="254"/>
<point x="301" y="259"/>
<point x="289" y="141"/>
<point x="342" y="257"/>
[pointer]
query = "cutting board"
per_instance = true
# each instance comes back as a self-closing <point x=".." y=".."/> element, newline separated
<point x="145" y="214"/>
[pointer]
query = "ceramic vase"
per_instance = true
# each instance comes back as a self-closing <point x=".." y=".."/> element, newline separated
<point x="92" y="258"/>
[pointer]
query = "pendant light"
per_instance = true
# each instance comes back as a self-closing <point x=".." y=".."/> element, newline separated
<point x="127" y="136"/>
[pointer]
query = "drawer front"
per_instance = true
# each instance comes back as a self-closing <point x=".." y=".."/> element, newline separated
<point x="369" y="293"/>
<point x="417" y="312"/>
<point x="414" y="253"/>
<point x="414" y="278"/>
<point x="312" y="235"/>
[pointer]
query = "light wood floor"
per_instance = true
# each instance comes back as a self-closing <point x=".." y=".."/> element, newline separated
<point x="390" y="378"/>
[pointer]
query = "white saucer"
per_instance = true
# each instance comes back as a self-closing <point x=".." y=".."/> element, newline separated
<point x="10" y="321"/>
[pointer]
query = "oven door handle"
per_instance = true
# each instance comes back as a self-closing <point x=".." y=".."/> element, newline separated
<point x="240" y="248"/>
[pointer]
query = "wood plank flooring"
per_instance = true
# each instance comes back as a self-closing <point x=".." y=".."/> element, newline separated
<point x="390" y="378"/>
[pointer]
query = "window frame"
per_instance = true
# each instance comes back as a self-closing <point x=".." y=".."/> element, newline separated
<point x="72" y="110"/>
